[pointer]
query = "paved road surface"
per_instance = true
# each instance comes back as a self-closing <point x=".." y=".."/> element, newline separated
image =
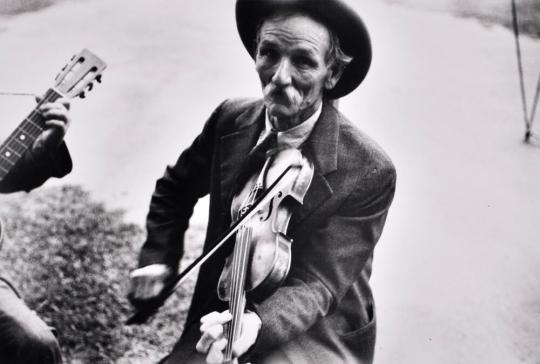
<point x="456" y="272"/>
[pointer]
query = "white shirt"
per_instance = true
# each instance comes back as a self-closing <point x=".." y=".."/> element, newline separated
<point x="290" y="138"/>
<point x="295" y="136"/>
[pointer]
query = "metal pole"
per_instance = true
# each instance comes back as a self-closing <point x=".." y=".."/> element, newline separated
<point x="520" y="71"/>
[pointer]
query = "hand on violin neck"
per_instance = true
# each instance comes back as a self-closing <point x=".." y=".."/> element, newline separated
<point x="213" y="340"/>
<point x="148" y="282"/>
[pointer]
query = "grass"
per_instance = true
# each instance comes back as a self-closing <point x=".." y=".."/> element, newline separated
<point x="70" y="257"/>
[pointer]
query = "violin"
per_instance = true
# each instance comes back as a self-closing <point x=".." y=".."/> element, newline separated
<point x="262" y="253"/>
<point x="261" y="257"/>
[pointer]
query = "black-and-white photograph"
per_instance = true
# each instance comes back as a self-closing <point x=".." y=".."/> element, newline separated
<point x="269" y="182"/>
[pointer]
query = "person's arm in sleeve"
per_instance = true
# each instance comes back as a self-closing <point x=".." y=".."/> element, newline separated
<point x="34" y="168"/>
<point x="48" y="156"/>
<point x="171" y="207"/>
<point x="337" y="253"/>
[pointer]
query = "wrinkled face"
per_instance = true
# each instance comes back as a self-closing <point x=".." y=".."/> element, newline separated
<point x="291" y="63"/>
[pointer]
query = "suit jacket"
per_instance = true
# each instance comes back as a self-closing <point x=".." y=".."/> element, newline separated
<point x="35" y="167"/>
<point x="323" y="313"/>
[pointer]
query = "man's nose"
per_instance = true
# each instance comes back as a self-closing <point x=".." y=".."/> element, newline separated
<point x="282" y="75"/>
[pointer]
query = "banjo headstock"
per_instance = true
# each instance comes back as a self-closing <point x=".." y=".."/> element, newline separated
<point x="78" y="75"/>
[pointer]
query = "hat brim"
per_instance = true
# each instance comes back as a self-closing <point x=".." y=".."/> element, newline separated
<point x="336" y="15"/>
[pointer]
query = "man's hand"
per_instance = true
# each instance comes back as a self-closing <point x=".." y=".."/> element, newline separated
<point x="213" y="341"/>
<point x="57" y="120"/>
<point x="148" y="282"/>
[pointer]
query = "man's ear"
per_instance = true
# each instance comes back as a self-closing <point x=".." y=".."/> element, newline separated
<point x="333" y="76"/>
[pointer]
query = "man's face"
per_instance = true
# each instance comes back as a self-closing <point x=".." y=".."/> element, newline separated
<point x="291" y="64"/>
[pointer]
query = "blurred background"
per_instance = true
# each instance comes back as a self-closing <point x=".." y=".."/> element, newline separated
<point x="456" y="271"/>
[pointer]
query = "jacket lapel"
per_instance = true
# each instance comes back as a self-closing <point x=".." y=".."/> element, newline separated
<point x="235" y="146"/>
<point x="322" y="149"/>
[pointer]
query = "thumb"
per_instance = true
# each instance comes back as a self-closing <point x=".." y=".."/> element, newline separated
<point x="250" y="331"/>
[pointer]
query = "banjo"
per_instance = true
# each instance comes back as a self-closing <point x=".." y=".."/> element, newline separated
<point x="74" y="80"/>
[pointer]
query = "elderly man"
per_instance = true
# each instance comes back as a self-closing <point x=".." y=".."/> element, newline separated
<point x="306" y="52"/>
<point x="24" y="337"/>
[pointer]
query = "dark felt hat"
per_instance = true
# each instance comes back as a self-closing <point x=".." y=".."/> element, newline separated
<point x="336" y="15"/>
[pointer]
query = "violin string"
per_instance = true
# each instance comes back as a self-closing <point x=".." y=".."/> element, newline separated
<point x="241" y="279"/>
<point x="245" y="256"/>
<point x="238" y="296"/>
<point x="239" y="268"/>
<point x="239" y="287"/>
<point x="233" y="294"/>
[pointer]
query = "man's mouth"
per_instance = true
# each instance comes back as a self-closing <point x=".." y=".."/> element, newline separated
<point x="278" y="97"/>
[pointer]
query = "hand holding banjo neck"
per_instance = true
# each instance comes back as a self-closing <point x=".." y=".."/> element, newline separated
<point x="74" y="80"/>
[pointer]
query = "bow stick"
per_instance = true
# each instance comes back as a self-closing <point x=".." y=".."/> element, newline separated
<point x="142" y="314"/>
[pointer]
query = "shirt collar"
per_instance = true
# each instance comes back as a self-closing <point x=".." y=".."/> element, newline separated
<point x="295" y="136"/>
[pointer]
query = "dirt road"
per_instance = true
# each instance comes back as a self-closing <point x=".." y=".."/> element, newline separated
<point x="456" y="272"/>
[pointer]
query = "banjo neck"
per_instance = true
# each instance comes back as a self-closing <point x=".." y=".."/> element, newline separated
<point x="24" y="135"/>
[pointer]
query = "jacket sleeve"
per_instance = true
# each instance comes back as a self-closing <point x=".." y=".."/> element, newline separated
<point x="338" y="251"/>
<point x="174" y="198"/>
<point x="35" y="167"/>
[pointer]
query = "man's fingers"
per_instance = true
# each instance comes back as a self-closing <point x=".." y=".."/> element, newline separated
<point x="242" y="345"/>
<point x="146" y="287"/>
<point x="245" y="341"/>
<point x="64" y="101"/>
<point x="211" y="335"/>
<point x="251" y="325"/>
<point x="152" y="270"/>
<point x="215" y="354"/>
<point x="55" y="114"/>
<point x="56" y="123"/>
<point x="142" y="288"/>
<point x="210" y="317"/>
<point x="215" y="318"/>
<point x="148" y="282"/>
<point x="212" y="332"/>
<point x="156" y="288"/>
<point x="55" y="105"/>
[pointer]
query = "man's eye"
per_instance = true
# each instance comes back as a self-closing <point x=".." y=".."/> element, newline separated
<point x="267" y="52"/>
<point x="303" y="61"/>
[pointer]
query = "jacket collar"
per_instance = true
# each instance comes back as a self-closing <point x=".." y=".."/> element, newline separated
<point x="236" y="145"/>
<point x="322" y="145"/>
<point x="321" y="148"/>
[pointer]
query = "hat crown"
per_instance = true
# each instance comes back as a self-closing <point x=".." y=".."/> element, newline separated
<point x="338" y="17"/>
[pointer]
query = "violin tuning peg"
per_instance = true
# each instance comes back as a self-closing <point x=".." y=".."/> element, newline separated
<point x="82" y="95"/>
<point x="98" y="78"/>
<point x="90" y="86"/>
